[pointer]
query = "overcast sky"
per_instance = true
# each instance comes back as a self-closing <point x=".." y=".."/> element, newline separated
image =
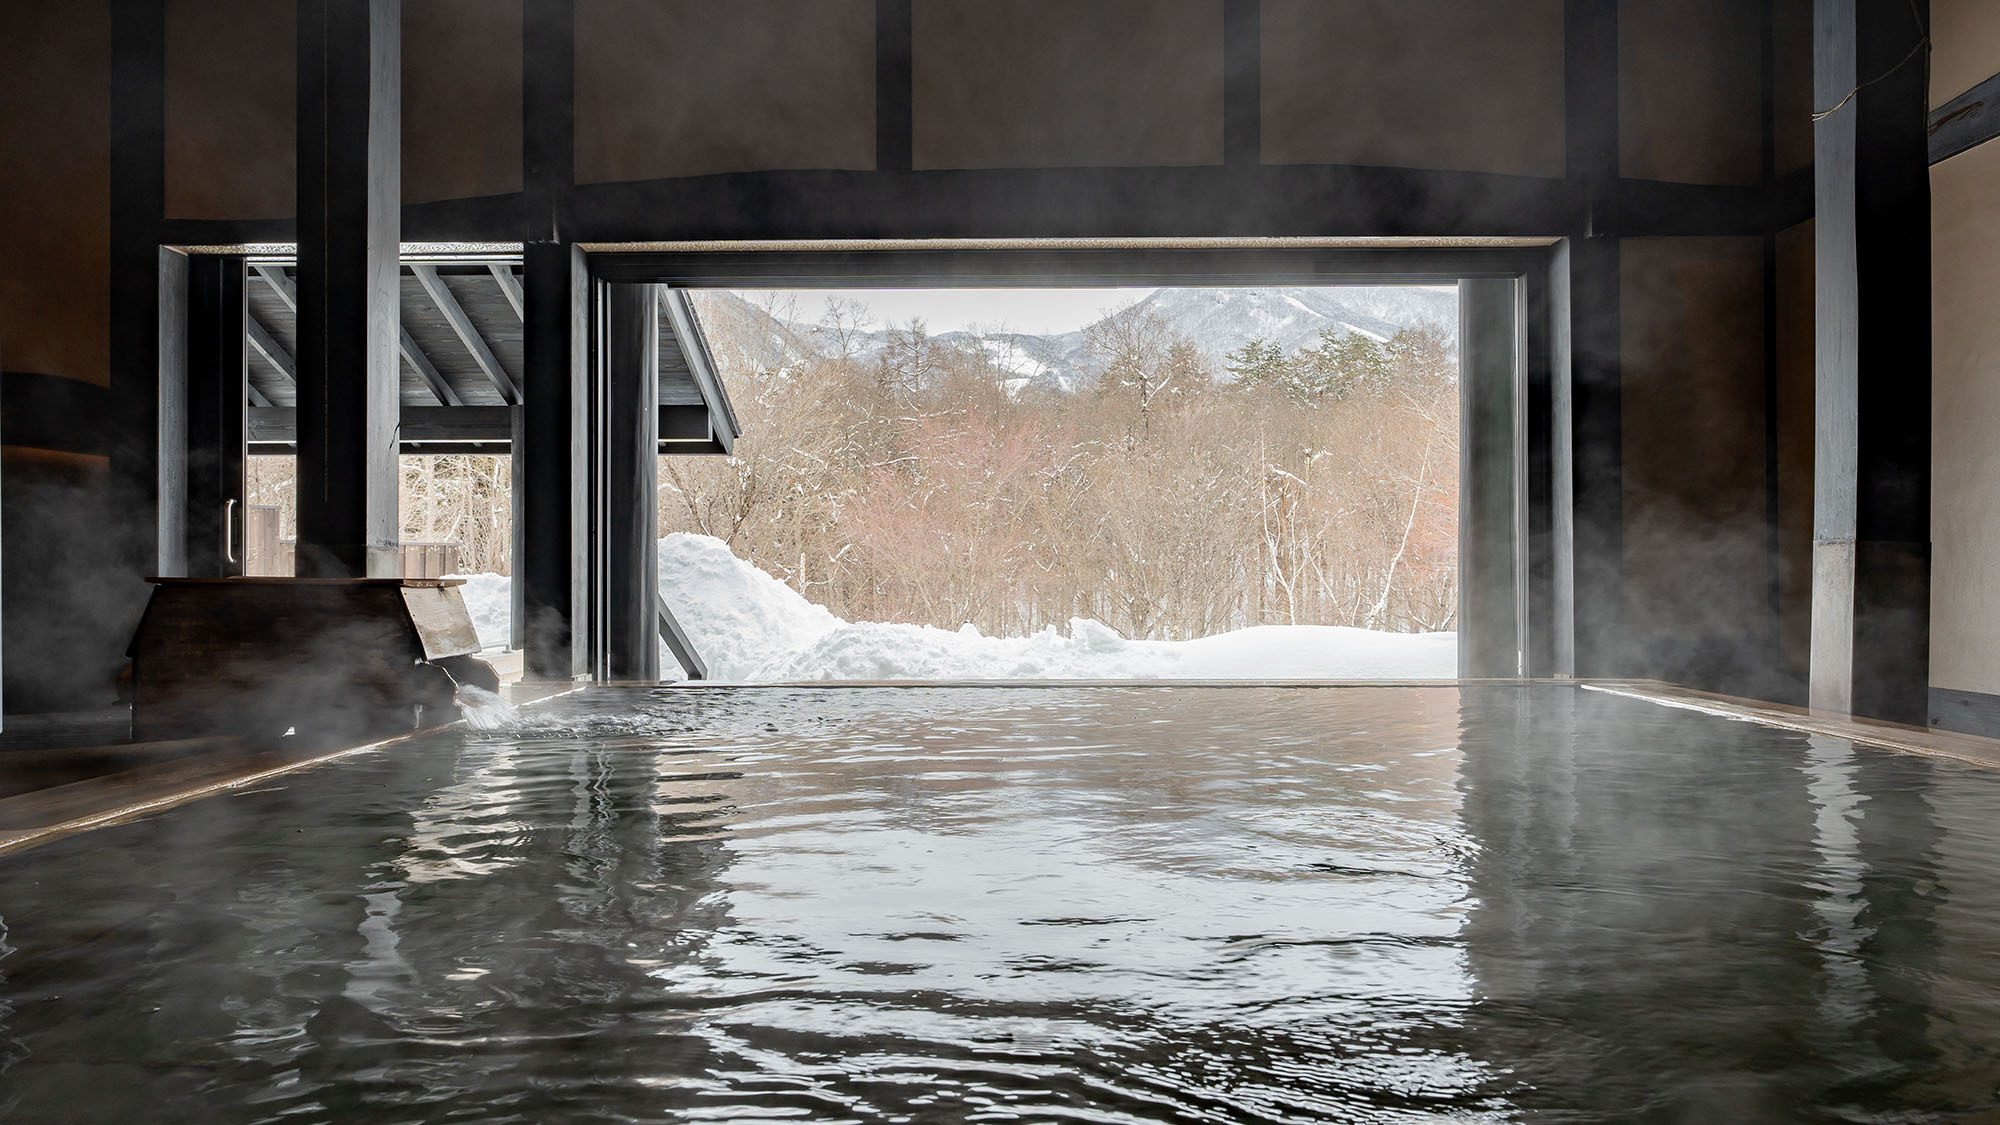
<point x="1039" y="311"/>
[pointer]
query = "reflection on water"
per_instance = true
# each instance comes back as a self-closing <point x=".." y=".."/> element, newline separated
<point x="1234" y="904"/>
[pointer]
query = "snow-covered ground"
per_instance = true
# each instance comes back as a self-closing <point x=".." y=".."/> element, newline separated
<point x="750" y="627"/>
<point x="489" y="599"/>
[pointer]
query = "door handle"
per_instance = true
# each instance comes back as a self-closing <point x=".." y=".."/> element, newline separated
<point x="229" y="530"/>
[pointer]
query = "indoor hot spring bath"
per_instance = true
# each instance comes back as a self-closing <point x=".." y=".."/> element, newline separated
<point x="1031" y="904"/>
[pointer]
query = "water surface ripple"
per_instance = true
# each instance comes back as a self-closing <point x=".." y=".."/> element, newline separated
<point x="1048" y="904"/>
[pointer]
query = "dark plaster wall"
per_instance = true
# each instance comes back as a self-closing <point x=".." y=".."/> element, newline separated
<point x="1692" y="312"/>
<point x="1690" y="92"/>
<point x="685" y="88"/>
<point x="1356" y="82"/>
<point x="1055" y="83"/>
<point x="55" y="144"/>
<point x="231" y="125"/>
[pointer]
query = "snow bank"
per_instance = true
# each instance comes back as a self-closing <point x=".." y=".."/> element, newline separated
<point x="489" y="598"/>
<point x="750" y="627"/>
<point x="1093" y="651"/>
<point x="738" y="617"/>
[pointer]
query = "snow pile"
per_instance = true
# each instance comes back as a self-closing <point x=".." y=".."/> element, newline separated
<point x="750" y="627"/>
<point x="489" y="598"/>
<point x="737" y="617"/>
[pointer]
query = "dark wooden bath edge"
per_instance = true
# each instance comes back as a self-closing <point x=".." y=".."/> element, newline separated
<point x="30" y="819"/>
<point x="1970" y="749"/>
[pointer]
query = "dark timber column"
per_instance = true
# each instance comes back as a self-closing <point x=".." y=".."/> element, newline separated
<point x="138" y="202"/>
<point x="554" y="467"/>
<point x="217" y="418"/>
<point x="349" y="221"/>
<point x="552" y="442"/>
<point x="1871" y="488"/>
<point x="631" y="485"/>
<point x="1589" y="469"/>
<point x="1489" y="546"/>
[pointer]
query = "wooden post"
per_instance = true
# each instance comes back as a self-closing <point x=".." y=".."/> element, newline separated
<point x="1590" y="636"/>
<point x="552" y="437"/>
<point x="217" y="423"/>
<point x="517" y="543"/>
<point x="1490" y="570"/>
<point x="1871" y="463"/>
<point x="139" y="339"/>
<point x="552" y="459"/>
<point x="349" y="222"/>
<point x="630" y="492"/>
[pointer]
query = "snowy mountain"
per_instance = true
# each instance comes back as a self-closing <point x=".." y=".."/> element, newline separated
<point x="1218" y="321"/>
<point x="1223" y="320"/>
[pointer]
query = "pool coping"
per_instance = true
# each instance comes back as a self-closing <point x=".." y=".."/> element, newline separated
<point x="1970" y="749"/>
<point x="37" y="817"/>
<point x="29" y="819"/>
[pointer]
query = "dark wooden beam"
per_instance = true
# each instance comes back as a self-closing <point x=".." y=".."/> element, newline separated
<point x="1966" y="121"/>
<point x="1036" y="267"/>
<point x="1270" y="200"/>
<point x="630" y="489"/>
<point x="419" y="425"/>
<point x="1264" y="201"/>
<point x="1490" y="621"/>
<point x="894" y="128"/>
<point x="1242" y="84"/>
<point x="466" y="331"/>
<point x="349" y="211"/>
<point x="1871" y="456"/>
<point x="552" y="463"/>
<point x="510" y="288"/>
<point x="217" y="375"/>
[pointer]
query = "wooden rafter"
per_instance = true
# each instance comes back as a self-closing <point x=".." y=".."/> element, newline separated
<point x="412" y="354"/>
<point x="467" y="332"/>
<point x="510" y="287"/>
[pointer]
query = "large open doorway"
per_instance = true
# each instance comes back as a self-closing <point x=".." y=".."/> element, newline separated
<point x="1468" y="542"/>
<point x="1180" y="482"/>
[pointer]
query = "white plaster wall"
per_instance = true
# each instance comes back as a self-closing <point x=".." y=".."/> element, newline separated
<point x="1965" y="422"/>
<point x="1965" y="37"/>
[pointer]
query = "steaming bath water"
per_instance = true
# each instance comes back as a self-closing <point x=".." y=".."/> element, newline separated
<point x="485" y="710"/>
<point x="1030" y="904"/>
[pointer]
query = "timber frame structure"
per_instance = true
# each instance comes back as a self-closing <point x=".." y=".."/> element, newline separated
<point x="1606" y="251"/>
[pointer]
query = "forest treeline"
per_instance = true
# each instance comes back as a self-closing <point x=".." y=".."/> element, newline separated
<point x="925" y="481"/>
